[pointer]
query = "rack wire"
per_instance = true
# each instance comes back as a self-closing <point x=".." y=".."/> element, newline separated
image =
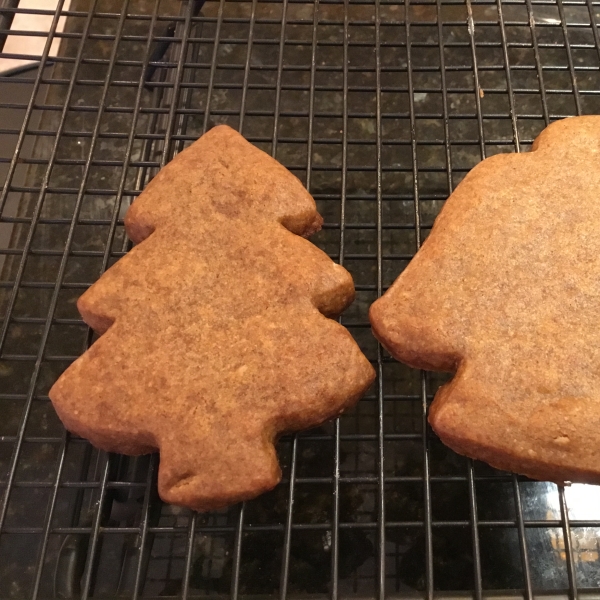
<point x="380" y="108"/>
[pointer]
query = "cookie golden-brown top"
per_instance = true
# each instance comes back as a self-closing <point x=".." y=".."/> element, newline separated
<point x="506" y="292"/>
<point x="214" y="335"/>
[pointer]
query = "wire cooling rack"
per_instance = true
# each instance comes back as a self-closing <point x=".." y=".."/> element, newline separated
<point x="380" y="108"/>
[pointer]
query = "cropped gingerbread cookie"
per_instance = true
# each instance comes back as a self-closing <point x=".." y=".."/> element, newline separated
<point x="505" y="293"/>
<point x="216" y="329"/>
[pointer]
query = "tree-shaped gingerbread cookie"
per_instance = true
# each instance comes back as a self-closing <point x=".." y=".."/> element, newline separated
<point x="505" y="292"/>
<point x="215" y="329"/>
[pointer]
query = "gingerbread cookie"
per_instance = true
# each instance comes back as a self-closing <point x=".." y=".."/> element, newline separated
<point x="505" y="292"/>
<point x="215" y="329"/>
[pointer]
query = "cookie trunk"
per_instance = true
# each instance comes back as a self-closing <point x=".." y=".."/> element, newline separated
<point x="209" y="483"/>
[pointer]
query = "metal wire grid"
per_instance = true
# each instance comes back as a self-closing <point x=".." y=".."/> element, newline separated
<point x="380" y="108"/>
